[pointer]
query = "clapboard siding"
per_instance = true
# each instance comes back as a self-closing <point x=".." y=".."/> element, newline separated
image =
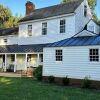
<point x="53" y="31"/>
<point x="75" y="63"/>
<point x="96" y="27"/>
<point x="80" y="19"/>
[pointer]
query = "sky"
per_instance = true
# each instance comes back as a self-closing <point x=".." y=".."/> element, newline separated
<point x="18" y="6"/>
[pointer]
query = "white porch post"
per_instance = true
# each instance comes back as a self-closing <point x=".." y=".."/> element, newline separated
<point x="5" y="68"/>
<point x="26" y="62"/>
<point x="38" y="59"/>
<point x="15" y="63"/>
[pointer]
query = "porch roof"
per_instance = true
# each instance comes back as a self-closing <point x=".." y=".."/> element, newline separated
<point x="22" y="48"/>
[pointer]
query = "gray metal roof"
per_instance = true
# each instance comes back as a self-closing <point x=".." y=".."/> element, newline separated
<point x="77" y="41"/>
<point x="51" y="11"/>
<point x="9" y="31"/>
<point x="22" y="48"/>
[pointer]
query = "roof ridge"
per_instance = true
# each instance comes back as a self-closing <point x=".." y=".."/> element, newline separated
<point x="53" y="10"/>
<point x="59" y="4"/>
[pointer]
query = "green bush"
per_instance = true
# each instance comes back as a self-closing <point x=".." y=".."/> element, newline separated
<point x="86" y="82"/>
<point x="65" y="81"/>
<point x="51" y="79"/>
<point x="38" y="73"/>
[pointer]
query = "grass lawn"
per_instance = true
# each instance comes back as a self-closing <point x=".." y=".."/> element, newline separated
<point x="28" y="89"/>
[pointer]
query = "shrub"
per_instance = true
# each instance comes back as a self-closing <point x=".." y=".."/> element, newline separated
<point x="86" y="82"/>
<point x="51" y="79"/>
<point x="38" y="73"/>
<point x="65" y="81"/>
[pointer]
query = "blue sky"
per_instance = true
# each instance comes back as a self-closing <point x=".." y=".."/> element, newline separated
<point x="18" y="6"/>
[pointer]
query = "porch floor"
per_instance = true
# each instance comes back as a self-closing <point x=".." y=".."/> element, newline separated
<point x="10" y="74"/>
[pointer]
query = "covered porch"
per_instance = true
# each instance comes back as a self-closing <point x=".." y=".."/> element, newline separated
<point x="13" y="62"/>
<point x="15" y="58"/>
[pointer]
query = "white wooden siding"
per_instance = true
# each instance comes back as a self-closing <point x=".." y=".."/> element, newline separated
<point x="80" y="19"/>
<point x="53" y="31"/>
<point x="96" y="27"/>
<point x="75" y="63"/>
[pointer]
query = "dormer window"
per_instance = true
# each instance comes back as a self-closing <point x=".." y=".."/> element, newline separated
<point x="62" y="26"/>
<point x="44" y="28"/>
<point x="29" y="30"/>
<point x="85" y="10"/>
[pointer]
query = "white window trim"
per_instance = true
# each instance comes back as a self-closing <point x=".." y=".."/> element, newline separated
<point x="60" y="26"/>
<point x="62" y="56"/>
<point x="94" y="62"/>
<point x="45" y="28"/>
<point x="29" y="29"/>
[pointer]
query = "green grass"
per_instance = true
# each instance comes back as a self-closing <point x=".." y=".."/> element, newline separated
<point x="28" y="89"/>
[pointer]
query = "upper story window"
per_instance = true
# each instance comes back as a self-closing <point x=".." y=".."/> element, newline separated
<point x="44" y="28"/>
<point x="29" y="30"/>
<point x="62" y="26"/>
<point x="94" y="55"/>
<point x="85" y="10"/>
<point x="59" y="55"/>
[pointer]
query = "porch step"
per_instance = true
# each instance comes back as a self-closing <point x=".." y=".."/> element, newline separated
<point x="24" y="73"/>
<point x="10" y="74"/>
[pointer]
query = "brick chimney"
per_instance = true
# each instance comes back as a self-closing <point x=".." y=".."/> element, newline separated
<point x="30" y="7"/>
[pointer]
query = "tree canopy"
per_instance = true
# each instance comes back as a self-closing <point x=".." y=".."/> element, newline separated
<point x="6" y="18"/>
<point x="92" y="3"/>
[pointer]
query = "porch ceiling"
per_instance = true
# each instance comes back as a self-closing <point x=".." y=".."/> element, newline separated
<point x="22" y="48"/>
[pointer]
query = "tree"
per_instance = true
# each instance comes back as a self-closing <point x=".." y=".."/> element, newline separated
<point x="6" y="18"/>
<point x="92" y="4"/>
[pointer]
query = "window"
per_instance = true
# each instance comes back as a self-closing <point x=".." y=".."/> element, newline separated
<point x="12" y="58"/>
<point x="62" y="26"/>
<point x="85" y="10"/>
<point x="29" y="30"/>
<point x="5" y="41"/>
<point x="59" y="56"/>
<point x="41" y="57"/>
<point x="29" y="58"/>
<point x="94" y="55"/>
<point x="44" y="28"/>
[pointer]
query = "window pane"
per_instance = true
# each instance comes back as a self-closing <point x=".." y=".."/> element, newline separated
<point x="62" y="26"/>
<point x="94" y="55"/>
<point x="44" y="28"/>
<point x="58" y="55"/>
<point x="29" y="30"/>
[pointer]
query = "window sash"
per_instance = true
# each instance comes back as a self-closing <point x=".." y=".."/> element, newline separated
<point x="29" y="30"/>
<point x="94" y="55"/>
<point x="62" y="26"/>
<point x="44" y="28"/>
<point x="59" y="55"/>
<point x="85" y="10"/>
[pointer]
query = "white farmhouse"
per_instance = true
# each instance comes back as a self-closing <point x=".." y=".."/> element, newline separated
<point x="71" y="24"/>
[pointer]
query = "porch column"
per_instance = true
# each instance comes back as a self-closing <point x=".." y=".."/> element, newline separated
<point x="38" y="59"/>
<point x="26" y="62"/>
<point x="5" y="68"/>
<point x="15" y="63"/>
